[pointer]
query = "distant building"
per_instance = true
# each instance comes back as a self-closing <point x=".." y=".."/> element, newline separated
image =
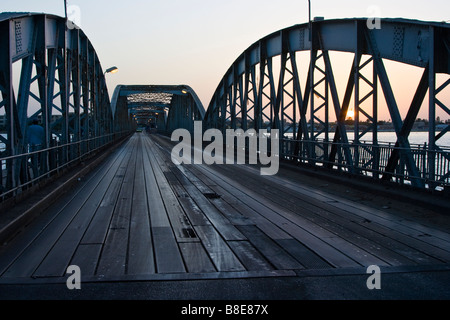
<point x="420" y="125"/>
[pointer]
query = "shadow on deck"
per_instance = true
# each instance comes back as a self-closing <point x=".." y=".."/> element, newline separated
<point x="139" y="217"/>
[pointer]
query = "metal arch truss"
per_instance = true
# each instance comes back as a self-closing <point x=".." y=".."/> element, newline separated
<point x="161" y="107"/>
<point x="51" y="73"/>
<point x="264" y="89"/>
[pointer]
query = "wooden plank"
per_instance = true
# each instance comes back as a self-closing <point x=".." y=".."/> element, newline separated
<point x="158" y="214"/>
<point x="311" y="233"/>
<point x="114" y="255"/>
<point x="167" y="254"/>
<point x="419" y="257"/>
<point x="249" y="256"/>
<point x="333" y="218"/>
<point x="223" y="225"/>
<point x="140" y="247"/>
<point x="329" y="233"/>
<point x="193" y="212"/>
<point x="170" y="177"/>
<point x="11" y="251"/>
<point x="228" y="211"/>
<point x="409" y="227"/>
<point x="223" y="257"/>
<point x="270" y="249"/>
<point x="98" y="228"/>
<point x="31" y="257"/>
<point x="279" y="214"/>
<point x="254" y="217"/>
<point x="179" y="222"/>
<point x="86" y="257"/>
<point x="196" y="181"/>
<point x="252" y="208"/>
<point x="382" y="237"/>
<point x="321" y="246"/>
<point x="362" y="234"/>
<point x="308" y="258"/>
<point x="221" y="215"/>
<point x="339" y="226"/>
<point x="413" y="249"/>
<point x="414" y="234"/>
<point x="382" y="232"/>
<point x="166" y="251"/>
<point x="196" y="258"/>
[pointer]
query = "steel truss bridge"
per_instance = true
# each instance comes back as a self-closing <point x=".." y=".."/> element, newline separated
<point x="98" y="195"/>
<point x="52" y="73"/>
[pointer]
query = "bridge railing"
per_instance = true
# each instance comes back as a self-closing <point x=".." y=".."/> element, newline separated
<point x="372" y="160"/>
<point x="42" y="164"/>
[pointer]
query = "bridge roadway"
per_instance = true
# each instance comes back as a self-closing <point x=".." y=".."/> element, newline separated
<point x="139" y="220"/>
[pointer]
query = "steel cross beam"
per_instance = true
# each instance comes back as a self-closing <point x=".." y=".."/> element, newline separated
<point x="408" y="123"/>
<point x="394" y="112"/>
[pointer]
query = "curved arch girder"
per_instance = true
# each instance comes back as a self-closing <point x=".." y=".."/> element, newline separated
<point x="52" y="73"/>
<point x="263" y="89"/>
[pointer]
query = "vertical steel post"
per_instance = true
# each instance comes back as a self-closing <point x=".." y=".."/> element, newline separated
<point x="6" y="84"/>
<point x="432" y="108"/>
<point x="394" y="112"/>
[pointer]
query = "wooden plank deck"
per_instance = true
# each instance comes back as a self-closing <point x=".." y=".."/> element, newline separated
<point x="140" y="215"/>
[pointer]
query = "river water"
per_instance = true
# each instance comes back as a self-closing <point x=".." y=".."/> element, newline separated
<point x="416" y="137"/>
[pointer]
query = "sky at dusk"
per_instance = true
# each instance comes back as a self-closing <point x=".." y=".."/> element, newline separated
<point x="194" y="42"/>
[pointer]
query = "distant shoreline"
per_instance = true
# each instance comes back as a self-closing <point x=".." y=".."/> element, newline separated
<point x="379" y="130"/>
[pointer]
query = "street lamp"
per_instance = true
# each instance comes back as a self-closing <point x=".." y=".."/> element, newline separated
<point x="112" y="70"/>
<point x="309" y="19"/>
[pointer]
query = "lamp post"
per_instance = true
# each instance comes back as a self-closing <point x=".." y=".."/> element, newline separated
<point x="309" y="18"/>
<point x="111" y="70"/>
<point x="309" y="10"/>
<point x="311" y="65"/>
